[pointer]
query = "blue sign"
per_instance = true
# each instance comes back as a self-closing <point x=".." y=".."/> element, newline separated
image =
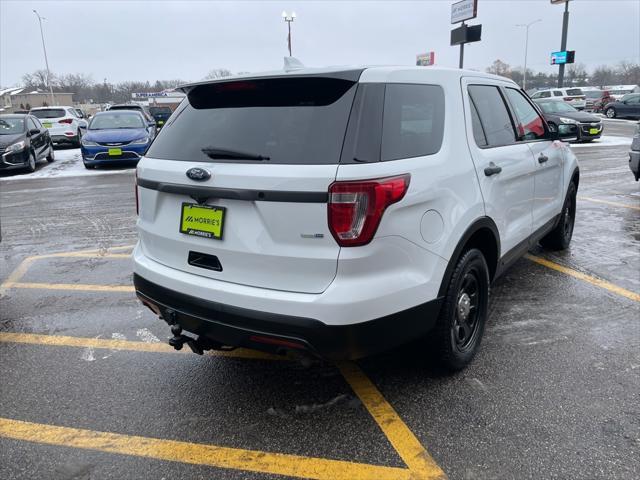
<point x="559" y="58"/>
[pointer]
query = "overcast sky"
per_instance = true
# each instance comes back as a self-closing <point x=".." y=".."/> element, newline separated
<point x="149" y="40"/>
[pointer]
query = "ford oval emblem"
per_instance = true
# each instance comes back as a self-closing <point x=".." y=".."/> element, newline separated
<point x="199" y="174"/>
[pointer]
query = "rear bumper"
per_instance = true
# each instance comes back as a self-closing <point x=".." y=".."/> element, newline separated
<point x="634" y="163"/>
<point x="59" y="139"/>
<point x="240" y="327"/>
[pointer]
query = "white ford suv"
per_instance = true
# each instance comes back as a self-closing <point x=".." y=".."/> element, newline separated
<point x="342" y="212"/>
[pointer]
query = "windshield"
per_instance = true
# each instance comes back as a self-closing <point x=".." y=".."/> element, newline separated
<point x="116" y="120"/>
<point x="289" y="120"/>
<point x="11" y="126"/>
<point x="556" y="107"/>
<point x="48" y="113"/>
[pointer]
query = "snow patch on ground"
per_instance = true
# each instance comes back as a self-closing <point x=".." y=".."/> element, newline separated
<point x="68" y="163"/>
<point x="604" y="141"/>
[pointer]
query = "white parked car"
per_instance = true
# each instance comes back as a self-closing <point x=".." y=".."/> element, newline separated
<point x="342" y="212"/>
<point x="573" y="96"/>
<point x="63" y="123"/>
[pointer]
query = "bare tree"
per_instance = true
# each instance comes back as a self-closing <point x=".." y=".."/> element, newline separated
<point x="217" y="73"/>
<point x="498" y="67"/>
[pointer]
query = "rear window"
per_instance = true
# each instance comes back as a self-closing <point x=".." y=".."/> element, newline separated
<point x="574" y="91"/>
<point x="160" y="110"/>
<point x="287" y="120"/>
<point x="49" y="113"/>
<point x="594" y="93"/>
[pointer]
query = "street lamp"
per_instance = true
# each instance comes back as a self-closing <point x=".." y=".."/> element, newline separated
<point x="526" y="48"/>
<point x="46" y="61"/>
<point x="289" y="18"/>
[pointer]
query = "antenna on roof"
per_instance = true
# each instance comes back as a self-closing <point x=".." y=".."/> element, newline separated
<point x="292" y="63"/>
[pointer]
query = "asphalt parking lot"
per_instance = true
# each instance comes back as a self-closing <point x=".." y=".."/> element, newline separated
<point x="90" y="390"/>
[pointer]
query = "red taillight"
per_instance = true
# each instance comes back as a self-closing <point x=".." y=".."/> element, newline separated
<point x="65" y="120"/>
<point x="355" y="208"/>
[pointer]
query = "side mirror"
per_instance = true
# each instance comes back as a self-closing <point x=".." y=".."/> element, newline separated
<point x="567" y="133"/>
<point x="82" y="126"/>
<point x="34" y="131"/>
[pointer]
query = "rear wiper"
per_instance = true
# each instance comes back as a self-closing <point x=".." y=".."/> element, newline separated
<point x="222" y="153"/>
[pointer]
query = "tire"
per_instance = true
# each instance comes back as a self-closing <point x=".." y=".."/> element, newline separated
<point x="610" y="112"/>
<point x="458" y="332"/>
<point x="31" y="163"/>
<point x="51" y="157"/>
<point x="87" y="166"/>
<point x="560" y="237"/>
<point x="78" y="142"/>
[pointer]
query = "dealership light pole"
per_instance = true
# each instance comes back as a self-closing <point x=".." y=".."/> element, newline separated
<point x="46" y="60"/>
<point x="526" y="49"/>
<point x="289" y="18"/>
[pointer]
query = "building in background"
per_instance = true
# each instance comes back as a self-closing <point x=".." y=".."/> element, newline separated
<point x="20" y="98"/>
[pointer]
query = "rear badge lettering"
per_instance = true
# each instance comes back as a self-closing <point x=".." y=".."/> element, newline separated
<point x="312" y="235"/>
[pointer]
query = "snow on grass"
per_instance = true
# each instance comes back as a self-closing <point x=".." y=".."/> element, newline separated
<point x="68" y="163"/>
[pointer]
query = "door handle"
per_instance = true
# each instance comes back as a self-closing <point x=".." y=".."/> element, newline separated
<point x="542" y="158"/>
<point x="492" y="169"/>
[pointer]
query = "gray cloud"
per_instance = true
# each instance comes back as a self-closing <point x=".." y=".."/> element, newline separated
<point x="148" y="40"/>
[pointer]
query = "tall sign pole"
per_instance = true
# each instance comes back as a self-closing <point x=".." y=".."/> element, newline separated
<point x="563" y="42"/>
<point x="46" y="60"/>
<point x="462" y="11"/>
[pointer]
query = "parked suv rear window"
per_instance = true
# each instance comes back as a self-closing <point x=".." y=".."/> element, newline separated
<point x="413" y="122"/>
<point x="287" y="120"/>
<point x="49" y="113"/>
<point x="493" y="116"/>
<point x="574" y="91"/>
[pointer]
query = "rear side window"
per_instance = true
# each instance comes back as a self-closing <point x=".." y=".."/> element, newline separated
<point x="413" y="122"/>
<point x="493" y="116"/>
<point x="530" y="124"/>
<point x="557" y="93"/>
<point x="49" y="113"/>
<point x="287" y="120"/>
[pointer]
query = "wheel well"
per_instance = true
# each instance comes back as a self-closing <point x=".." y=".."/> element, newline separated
<point x="575" y="178"/>
<point x="485" y="241"/>
<point x="483" y="235"/>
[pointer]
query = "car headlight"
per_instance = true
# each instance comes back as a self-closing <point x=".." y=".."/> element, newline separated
<point x="16" y="147"/>
<point x="568" y="120"/>
<point x="88" y="143"/>
<point x="141" y="141"/>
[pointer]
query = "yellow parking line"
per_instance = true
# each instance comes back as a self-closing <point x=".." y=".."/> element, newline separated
<point x="403" y="440"/>
<point x="198" y="454"/>
<point x="17" y="274"/>
<point x="421" y="464"/>
<point x="586" y="278"/>
<point x="112" y="344"/>
<point x="71" y="286"/>
<point x="606" y="202"/>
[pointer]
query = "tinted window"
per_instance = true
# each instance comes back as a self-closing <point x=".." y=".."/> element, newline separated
<point x="290" y="120"/>
<point x="48" y="113"/>
<point x="544" y="94"/>
<point x="493" y="115"/>
<point x="557" y="93"/>
<point x="478" y="131"/>
<point x="633" y="99"/>
<point x="364" y="132"/>
<point x="530" y="124"/>
<point x="413" y="122"/>
<point x="574" y="91"/>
